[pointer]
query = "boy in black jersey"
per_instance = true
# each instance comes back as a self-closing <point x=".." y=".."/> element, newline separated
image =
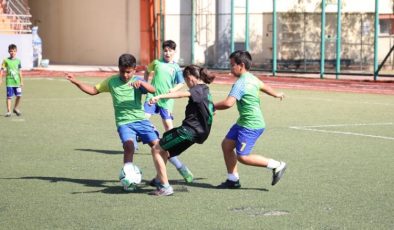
<point x="195" y="127"/>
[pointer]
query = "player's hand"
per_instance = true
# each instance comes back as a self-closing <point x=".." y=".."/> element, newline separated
<point x="137" y="84"/>
<point x="280" y="95"/>
<point x="154" y="100"/>
<point x="70" y="77"/>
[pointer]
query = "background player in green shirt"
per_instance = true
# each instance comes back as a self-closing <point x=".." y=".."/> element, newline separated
<point x="14" y="80"/>
<point x="166" y="78"/>
<point x="126" y="91"/>
<point x="250" y="125"/>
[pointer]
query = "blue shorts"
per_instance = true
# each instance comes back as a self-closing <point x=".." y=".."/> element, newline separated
<point x="155" y="109"/>
<point x="244" y="138"/>
<point x="144" y="129"/>
<point x="14" y="91"/>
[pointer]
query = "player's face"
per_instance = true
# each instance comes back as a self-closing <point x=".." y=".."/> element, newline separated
<point x="126" y="73"/>
<point x="236" y="69"/>
<point x="168" y="54"/>
<point x="12" y="53"/>
<point x="190" y="81"/>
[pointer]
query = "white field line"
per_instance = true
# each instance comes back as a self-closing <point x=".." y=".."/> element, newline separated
<point x="319" y="128"/>
<point x="343" y="101"/>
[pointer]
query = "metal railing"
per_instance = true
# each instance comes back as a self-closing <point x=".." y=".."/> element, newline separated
<point x="16" y="17"/>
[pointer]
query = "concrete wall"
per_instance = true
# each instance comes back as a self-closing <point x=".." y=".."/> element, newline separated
<point x="88" y="32"/>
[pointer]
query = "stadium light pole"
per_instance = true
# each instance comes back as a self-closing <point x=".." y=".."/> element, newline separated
<point x="322" y="37"/>
<point x="338" y="40"/>
<point x="274" y="63"/>
<point x="375" y="44"/>
<point x="247" y="26"/>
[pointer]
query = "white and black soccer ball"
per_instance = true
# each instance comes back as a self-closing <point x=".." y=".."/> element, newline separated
<point x="130" y="176"/>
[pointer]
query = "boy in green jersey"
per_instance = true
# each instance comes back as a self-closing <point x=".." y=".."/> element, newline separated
<point x="14" y="80"/>
<point x="166" y="78"/>
<point x="250" y="125"/>
<point x="126" y="90"/>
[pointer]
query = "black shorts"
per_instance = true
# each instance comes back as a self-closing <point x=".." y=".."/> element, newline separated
<point x="177" y="140"/>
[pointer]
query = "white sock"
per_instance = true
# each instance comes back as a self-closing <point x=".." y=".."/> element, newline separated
<point x="176" y="162"/>
<point x="233" y="176"/>
<point x="272" y="164"/>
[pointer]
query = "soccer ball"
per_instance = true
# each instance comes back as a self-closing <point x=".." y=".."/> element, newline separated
<point x="130" y="176"/>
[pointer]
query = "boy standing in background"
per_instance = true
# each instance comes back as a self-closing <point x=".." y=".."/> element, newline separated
<point x="166" y="78"/>
<point x="13" y="79"/>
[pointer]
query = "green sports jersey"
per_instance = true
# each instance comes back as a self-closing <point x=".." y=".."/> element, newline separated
<point x="125" y="98"/>
<point x="12" y="67"/>
<point x="167" y="75"/>
<point x="247" y="92"/>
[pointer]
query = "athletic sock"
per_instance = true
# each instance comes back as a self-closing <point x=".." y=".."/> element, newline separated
<point x="272" y="164"/>
<point x="233" y="176"/>
<point x="176" y="162"/>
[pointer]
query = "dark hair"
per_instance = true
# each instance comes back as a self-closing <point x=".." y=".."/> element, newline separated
<point x="127" y="60"/>
<point x="170" y="44"/>
<point x="241" y="56"/>
<point x="199" y="73"/>
<point x="12" y="47"/>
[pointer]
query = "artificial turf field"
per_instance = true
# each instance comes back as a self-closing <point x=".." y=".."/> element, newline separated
<point x="59" y="166"/>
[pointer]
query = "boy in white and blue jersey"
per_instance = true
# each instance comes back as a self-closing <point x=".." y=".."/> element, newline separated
<point x="243" y="135"/>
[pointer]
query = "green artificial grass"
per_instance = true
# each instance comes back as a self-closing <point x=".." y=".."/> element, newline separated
<point x="59" y="166"/>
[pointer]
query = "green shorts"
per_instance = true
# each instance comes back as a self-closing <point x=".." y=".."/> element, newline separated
<point x="177" y="140"/>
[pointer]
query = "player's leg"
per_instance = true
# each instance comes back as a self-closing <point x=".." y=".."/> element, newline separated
<point x="127" y="135"/>
<point x="185" y="172"/>
<point x="246" y="141"/>
<point x="230" y="159"/>
<point x="10" y="95"/>
<point x="18" y="93"/>
<point x="163" y="187"/>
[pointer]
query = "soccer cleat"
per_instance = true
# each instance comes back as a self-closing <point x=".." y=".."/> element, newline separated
<point x="186" y="174"/>
<point x="228" y="184"/>
<point x="278" y="172"/>
<point x="17" y="112"/>
<point x="154" y="183"/>
<point x="163" y="191"/>
<point x="8" y="114"/>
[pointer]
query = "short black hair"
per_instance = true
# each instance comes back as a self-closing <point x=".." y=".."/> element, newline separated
<point x="127" y="60"/>
<point x="170" y="44"/>
<point x="12" y="47"/>
<point x="242" y="56"/>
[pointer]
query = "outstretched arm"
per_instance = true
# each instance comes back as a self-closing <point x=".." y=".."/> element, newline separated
<point x="270" y="91"/>
<point x="226" y="103"/>
<point x="177" y="87"/>
<point x="91" y="90"/>
<point x="181" y="94"/>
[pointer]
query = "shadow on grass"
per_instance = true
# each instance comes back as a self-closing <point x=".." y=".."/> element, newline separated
<point x="110" y="152"/>
<point x="196" y="183"/>
<point x="179" y="185"/>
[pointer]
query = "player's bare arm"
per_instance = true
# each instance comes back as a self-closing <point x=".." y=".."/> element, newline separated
<point x="91" y="90"/>
<point x="270" y="91"/>
<point x="177" y="87"/>
<point x="226" y="103"/>
<point x="178" y="94"/>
